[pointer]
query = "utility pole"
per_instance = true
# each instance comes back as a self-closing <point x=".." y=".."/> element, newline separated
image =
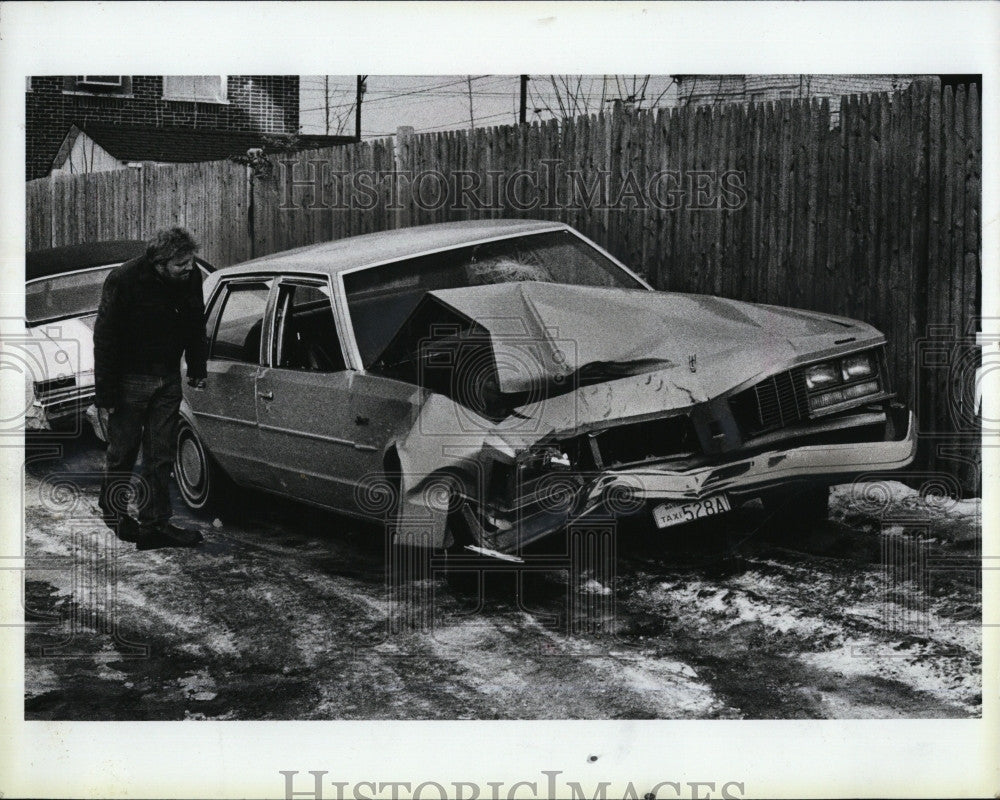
<point x="472" y="119"/>
<point x="523" y="115"/>
<point x="357" y="106"/>
<point x="326" y="98"/>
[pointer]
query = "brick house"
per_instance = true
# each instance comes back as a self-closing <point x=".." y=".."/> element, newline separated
<point x="163" y="118"/>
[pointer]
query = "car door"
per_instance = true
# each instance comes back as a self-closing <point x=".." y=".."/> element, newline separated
<point x="308" y="424"/>
<point x="226" y="410"/>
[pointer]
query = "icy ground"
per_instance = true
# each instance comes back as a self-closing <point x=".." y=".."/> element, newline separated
<point x="284" y="614"/>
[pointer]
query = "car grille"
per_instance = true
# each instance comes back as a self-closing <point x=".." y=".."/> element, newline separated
<point x="69" y="394"/>
<point x="774" y="403"/>
<point x="54" y="385"/>
<point x="668" y="437"/>
<point x="74" y="404"/>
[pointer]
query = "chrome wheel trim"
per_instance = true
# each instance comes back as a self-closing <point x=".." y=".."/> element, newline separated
<point x="192" y="469"/>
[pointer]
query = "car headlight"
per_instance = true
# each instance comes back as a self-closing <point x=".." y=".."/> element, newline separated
<point x="845" y="379"/>
<point x="855" y="367"/>
<point x="820" y="375"/>
<point x="824" y="399"/>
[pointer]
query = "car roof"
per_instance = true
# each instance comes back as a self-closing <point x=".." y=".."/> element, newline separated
<point x="376" y="248"/>
<point x="73" y="257"/>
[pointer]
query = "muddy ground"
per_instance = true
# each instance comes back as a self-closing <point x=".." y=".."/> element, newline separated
<point x="284" y="613"/>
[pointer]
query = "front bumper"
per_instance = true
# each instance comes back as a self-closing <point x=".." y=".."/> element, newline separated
<point x="619" y="492"/>
<point x="57" y="408"/>
<point x="764" y="470"/>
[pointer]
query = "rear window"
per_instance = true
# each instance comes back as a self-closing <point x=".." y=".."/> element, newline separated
<point x="74" y="294"/>
<point x="63" y="296"/>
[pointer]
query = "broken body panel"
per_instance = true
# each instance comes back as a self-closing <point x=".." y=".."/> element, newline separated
<point x="501" y="412"/>
<point x="712" y="352"/>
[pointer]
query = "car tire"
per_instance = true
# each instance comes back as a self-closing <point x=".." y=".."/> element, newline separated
<point x="411" y="563"/>
<point x="202" y="484"/>
<point x="794" y="509"/>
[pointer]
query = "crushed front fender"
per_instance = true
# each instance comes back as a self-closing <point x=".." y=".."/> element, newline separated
<point x="619" y="492"/>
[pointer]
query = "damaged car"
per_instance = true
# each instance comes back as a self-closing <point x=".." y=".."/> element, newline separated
<point x="62" y="291"/>
<point x="487" y="384"/>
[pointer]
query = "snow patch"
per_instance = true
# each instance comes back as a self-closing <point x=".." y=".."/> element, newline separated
<point x="198" y="686"/>
<point x="733" y="606"/>
<point x="40" y="680"/>
<point x="915" y="667"/>
<point x="595" y="587"/>
<point x="892" y="503"/>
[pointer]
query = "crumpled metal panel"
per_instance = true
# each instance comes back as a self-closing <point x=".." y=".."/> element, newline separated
<point x="691" y="349"/>
<point x="544" y="331"/>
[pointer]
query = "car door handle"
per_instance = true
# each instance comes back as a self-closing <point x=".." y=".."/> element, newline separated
<point x="266" y="395"/>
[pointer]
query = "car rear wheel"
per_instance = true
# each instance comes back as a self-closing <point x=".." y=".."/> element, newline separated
<point x="199" y="479"/>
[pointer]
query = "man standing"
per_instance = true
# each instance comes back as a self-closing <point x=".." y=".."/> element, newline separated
<point x="151" y="312"/>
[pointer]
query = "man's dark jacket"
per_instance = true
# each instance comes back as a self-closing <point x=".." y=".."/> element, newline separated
<point x="143" y="325"/>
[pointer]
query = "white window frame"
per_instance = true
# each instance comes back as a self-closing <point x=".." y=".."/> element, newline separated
<point x="83" y="81"/>
<point x="221" y="98"/>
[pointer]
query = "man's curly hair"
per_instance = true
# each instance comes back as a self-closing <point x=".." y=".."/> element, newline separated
<point x="169" y="243"/>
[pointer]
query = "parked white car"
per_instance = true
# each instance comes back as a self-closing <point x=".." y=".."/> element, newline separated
<point x="62" y="292"/>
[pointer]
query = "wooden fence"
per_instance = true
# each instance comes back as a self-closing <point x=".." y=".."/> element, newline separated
<point x="878" y="218"/>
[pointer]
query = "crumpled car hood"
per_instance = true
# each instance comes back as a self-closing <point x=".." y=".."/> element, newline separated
<point x="545" y="331"/>
<point x="686" y="350"/>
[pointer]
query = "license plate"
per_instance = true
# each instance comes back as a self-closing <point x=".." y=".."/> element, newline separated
<point x="666" y="515"/>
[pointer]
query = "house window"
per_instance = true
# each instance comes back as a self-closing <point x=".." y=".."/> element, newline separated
<point x="196" y="88"/>
<point x="98" y="84"/>
<point x="102" y="81"/>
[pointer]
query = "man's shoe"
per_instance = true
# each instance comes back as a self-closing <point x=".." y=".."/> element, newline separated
<point x="150" y="537"/>
<point x="126" y="528"/>
<point x="182" y="537"/>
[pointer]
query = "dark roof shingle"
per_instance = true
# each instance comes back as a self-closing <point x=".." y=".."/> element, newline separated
<point x="186" y="145"/>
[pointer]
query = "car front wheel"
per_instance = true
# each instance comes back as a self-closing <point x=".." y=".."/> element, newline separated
<point x="795" y="509"/>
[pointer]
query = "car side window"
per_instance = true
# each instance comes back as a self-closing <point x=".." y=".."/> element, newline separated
<point x="241" y="321"/>
<point x="306" y="333"/>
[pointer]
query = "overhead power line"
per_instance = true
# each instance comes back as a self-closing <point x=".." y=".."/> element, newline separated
<point x="445" y="125"/>
<point x="460" y="122"/>
<point x="405" y="94"/>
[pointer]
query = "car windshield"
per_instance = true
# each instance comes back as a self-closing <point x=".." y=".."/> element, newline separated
<point x="76" y="294"/>
<point x="381" y="298"/>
